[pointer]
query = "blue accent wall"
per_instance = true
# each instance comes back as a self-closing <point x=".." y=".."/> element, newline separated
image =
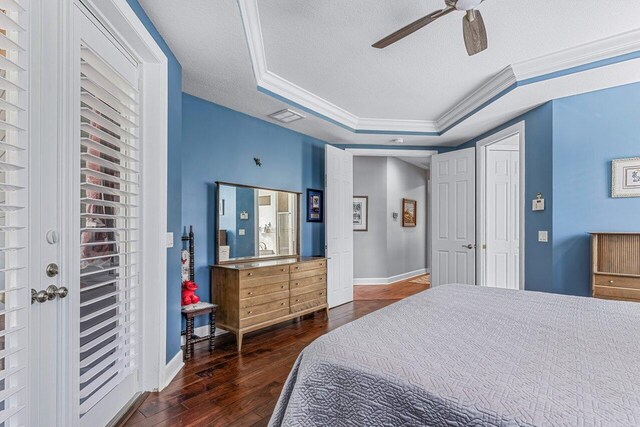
<point x="589" y="131"/>
<point x="219" y="144"/>
<point x="245" y="245"/>
<point x="570" y="143"/>
<point x="174" y="183"/>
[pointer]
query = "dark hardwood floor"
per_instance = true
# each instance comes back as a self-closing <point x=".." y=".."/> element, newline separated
<point x="226" y="389"/>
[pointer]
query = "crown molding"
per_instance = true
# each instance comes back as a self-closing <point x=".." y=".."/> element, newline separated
<point x="608" y="51"/>
<point x="588" y="53"/>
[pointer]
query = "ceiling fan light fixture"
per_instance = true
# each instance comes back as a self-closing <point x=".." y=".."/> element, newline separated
<point x="467" y="4"/>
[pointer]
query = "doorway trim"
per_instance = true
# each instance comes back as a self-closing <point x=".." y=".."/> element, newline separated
<point x="481" y="158"/>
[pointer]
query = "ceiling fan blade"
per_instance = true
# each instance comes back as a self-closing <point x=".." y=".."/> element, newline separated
<point x="475" y="33"/>
<point x="412" y="28"/>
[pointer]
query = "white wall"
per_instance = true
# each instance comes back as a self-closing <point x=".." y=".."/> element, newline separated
<point x="389" y="250"/>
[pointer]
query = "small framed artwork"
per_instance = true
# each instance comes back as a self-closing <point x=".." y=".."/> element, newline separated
<point x="315" y="205"/>
<point x="409" y="208"/>
<point x="625" y="177"/>
<point x="360" y="213"/>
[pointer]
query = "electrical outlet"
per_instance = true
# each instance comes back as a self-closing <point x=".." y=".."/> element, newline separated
<point x="241" y="232"/>
<point x="543" y="236"/>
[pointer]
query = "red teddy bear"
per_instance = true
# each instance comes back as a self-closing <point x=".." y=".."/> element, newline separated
<point x="189" y="296"/>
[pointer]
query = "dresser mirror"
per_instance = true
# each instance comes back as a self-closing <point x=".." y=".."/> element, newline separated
<point x="256" y="223"/>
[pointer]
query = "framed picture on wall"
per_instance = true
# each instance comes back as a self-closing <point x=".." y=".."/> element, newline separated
<point x="409" y="212"/>
<point x="360" y="213"/>
<point x="315" y="205"/>
<point x="625" y="177"/>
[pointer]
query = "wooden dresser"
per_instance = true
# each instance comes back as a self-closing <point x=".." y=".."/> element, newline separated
<point x="616" y="266"/>
<point x="254" y="295"/>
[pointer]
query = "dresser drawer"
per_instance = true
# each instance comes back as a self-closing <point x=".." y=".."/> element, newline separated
<point x="260" y="318"/>
<point x="309" y="265"/>
<point x="616" y="293"/>
<point x="308" y="281"/>
<point x="308" y="304"/>
<point x="263" y="299"/>
<point x="315" y="294"/>
<point x="263" y="290"/>
<point x="264" y="272"/>
<point x="263" y="280"/>
<point x="263" y="308"/>
<point x="303" y="290"/>
<point x="296" y="275"/>
<point x="617" y="281"/>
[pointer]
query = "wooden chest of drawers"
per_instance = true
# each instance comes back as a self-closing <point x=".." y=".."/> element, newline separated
<point x="254" y="295"/>
<point x="616" y="266"/>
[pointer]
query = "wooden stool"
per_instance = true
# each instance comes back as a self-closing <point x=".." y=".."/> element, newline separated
<point x="190" y="312"/>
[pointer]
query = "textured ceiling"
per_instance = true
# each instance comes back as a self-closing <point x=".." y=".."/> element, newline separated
<point x="324" y="47"/>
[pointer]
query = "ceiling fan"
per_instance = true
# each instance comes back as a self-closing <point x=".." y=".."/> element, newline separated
<point x="475" y="33"/>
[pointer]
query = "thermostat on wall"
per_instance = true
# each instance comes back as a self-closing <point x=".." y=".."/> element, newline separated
<point x="538" y="203"/>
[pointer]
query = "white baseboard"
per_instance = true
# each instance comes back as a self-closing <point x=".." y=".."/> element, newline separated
<point x="171" y="369"/>
<point x="392" y="279"/>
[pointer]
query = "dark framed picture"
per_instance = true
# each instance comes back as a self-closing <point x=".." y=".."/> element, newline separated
<point x="409" y="208"/>
<point x="315" y="205"/>
<point x="360" y="213"/>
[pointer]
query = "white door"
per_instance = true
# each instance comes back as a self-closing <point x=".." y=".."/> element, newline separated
<point x="339" y="225"/>
<point x="502" y="217"/>
<point x="453" y="218"/>
<point x="84" y="202"/>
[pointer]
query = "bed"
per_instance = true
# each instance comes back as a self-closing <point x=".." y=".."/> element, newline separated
<point x="463" y="355"/>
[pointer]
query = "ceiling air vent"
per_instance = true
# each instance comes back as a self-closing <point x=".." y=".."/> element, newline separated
<point x="286" y="116"/>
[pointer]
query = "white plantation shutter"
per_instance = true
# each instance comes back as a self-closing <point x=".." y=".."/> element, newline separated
<point x="14" y="295"/>
<point x="109" y="211"/>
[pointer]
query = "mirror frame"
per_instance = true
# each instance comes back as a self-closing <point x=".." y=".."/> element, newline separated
<point x="254" y="259"/>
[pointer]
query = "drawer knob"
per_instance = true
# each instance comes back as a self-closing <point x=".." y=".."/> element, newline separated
<point x="282" y="287"/>
<point x="282" y="269"/>
<point x="297" y="300"/>
<point x="611" y="281"/>
<point x="249" y="312"/>
<point x="296" y="284"/>
<point x="249" y="274"/>
<point x="320" y="293"/>
<point x="281" y="303"/>
<point x="297" y="268"/>
<point x="250" y="293"/>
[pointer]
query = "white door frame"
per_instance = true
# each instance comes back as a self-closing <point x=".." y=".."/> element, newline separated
<point x="481" y="158"/>
<point x="122" y="22"/>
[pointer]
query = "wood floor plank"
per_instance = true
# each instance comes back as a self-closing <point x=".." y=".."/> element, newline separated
<point x="224" y="388"/>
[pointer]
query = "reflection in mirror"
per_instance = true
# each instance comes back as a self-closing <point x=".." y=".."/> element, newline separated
<point x="256" y="223"/>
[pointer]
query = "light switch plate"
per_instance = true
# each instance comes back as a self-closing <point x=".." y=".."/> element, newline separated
<point x="169" y="240"/>
<point x="241" y="232"/>
<point x="543" y="236"/>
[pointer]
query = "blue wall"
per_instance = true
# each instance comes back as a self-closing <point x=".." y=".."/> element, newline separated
<point x="589" y="131"/>
<point x="245" y="246"/>
<point x="570" y="143"/>
<point x="219" y="144"/>
<point x="174" y="183"/>
<point x="538" y="178"/>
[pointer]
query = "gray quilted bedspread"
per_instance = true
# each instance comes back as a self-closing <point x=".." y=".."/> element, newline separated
<point x="460" y="355"/>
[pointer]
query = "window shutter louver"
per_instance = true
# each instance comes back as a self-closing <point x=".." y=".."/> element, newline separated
<point x="14" y="294"/>
<point x="109" y="248"/>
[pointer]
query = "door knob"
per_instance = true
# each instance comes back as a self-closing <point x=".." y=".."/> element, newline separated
<point x="51" y="293"/>
<point x="469" y="246"/>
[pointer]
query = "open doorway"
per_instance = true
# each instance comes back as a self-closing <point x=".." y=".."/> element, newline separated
<point x="501" y="209"/>
<point x="390" y="220"/>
